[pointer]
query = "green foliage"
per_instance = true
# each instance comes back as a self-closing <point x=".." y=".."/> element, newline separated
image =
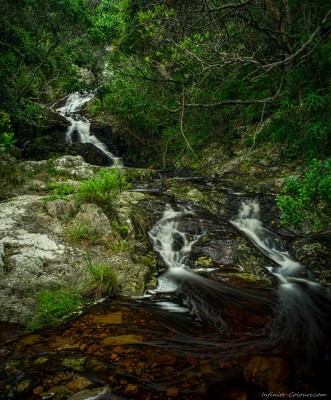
<point x="308" y="198"/>
<point x="103" y="187"/>
<point x="60" y="190"/>
<point x="102" y="280"/>
<point x="6" y="135"/>
<point x="53" y="305"/>
<point x="82" y="232"/>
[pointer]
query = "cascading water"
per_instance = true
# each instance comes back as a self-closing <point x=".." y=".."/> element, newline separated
<point x="295" y="311"/>
<point x="299" y="317"/>
<point x="173" y="244"/>
<point x="79" y="128"/>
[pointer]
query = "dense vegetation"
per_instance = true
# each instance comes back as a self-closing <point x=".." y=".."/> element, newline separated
<point x="174" y="76"/>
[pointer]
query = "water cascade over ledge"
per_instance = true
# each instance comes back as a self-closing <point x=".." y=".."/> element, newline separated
<point x="79" y="128"/>
<point x="298" y="308"/>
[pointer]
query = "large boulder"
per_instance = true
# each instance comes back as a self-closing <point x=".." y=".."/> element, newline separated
<point x="314" y="252"/>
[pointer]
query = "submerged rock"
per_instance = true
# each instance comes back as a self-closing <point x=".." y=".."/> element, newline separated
<point x="267" y="373"/>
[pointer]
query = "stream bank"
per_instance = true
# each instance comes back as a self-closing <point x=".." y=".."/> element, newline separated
<point x="201" y="310"/>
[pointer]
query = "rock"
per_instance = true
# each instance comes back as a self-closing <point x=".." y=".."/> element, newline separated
<point x="254" y="262"/>
<point x="79" y="383"/>
<point x="61" y="209"/>
<point x="23" y="386"/>
<point x="267" y="373"/>
<point x="131" y="390"/>
<point x="91" y="394"/>
<point x="74" y="166"/>
<point x="223" y="248"/>
<point x="172" y="392"/>
<point x="140" y="175"/>
<point x="314" y="252"/>
<point x="122" y="340"/>
<point x="109" y="319"/>
<point x="90" y="153"/>
<point x="33" y="256"/>
<point x="57" y="392"/>
<point x="76" y="364"/>
<point x="94" y="364"/>
<point x="132" y="277"/>
<point x="94" y="218"/>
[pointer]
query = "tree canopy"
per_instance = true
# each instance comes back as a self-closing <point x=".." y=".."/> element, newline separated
<point x="180" y="74"/>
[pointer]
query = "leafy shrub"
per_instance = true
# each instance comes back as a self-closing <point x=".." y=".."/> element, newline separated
<point x="103" y="187"/>
<point x="53" y="305"/>
<point x="60" y="191"/>
<point x="6" y="134"/>
<point x="308" y="198"/>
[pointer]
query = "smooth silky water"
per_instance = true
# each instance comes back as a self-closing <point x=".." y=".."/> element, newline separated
<point x="198" y="331"/>
<point x="79" y="128"/>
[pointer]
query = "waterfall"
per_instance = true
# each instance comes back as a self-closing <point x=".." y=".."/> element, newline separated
<point x="249" y="222"/>
<point x="298" y="306"/>
<point x="172" y="244"/>
<point x="79" y="128"/>
<point x="299" y="317"/>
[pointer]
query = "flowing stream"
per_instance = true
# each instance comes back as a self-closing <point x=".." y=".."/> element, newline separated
<point x="79" y="128"/>
<point x="298" y="306"/>
<point x="200" y="335"/>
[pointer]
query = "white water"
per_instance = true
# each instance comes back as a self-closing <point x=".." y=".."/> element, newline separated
<point x="298" y="316"/>
<point x="249" y="222"/>
<point x="79" y="128"/>
<point x="172" y="244"/>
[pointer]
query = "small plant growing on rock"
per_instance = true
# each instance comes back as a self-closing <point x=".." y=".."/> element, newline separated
<point x="53" y="305"/>
<point x="103" y="187"/>
<point x="82" y="231"/>
<point x="60" y="191"/>
<point x="102" y="280"/>
<point x="308" y="198"/>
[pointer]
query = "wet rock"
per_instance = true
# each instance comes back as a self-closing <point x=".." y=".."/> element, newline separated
<point x="76" y="364"/>
<point x="89" y="394"/>
<point x="131" y="390"/>
<point x="172" y="392"/>
<point x="196" y="193"/>
<point x="267" y="372"/>
<point x="254" y="262"/>
<point x="223" y="248"/>
<point x="132" y="277"/>
<point x="56" y="393"/>
<point x="140" y="175"/>
<point x="90" y="153"/>
<point x="109" y="319"/>
<point x="315" y="253"/>
<point x="96" y="365"/>
<point x="23" y="386"/>
<point x="79" y="383"/>
<point x="122" y="340"/>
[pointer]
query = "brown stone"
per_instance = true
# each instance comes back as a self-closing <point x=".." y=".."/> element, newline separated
<point x="38" y="390"/>
<point x="79" y="383"/>
<point x="172" y="392"/>
<point x="122" y="340"/>
<point x="131" y="390"/>
<point x="119" y="350"/>
<point x="266" y="372"/>
<point x="164" y="359"/>
<point x="111" y="319"/>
